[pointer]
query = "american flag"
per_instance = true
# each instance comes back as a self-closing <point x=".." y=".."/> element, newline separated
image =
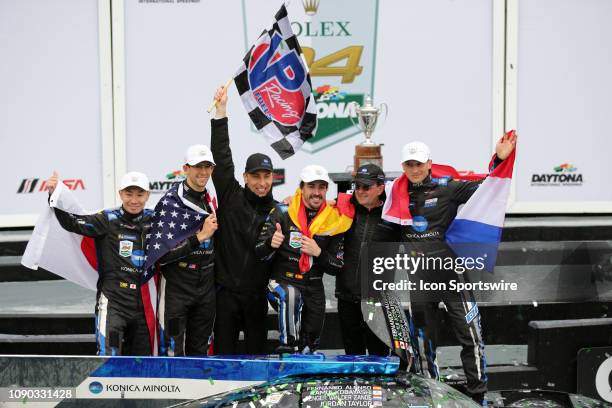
<point x="174" y="220"/>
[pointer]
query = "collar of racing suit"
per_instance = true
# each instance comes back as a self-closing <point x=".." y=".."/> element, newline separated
<point x="133" y="218"/>
<point x="196" y="197"/>
<point x="417" y="186"/>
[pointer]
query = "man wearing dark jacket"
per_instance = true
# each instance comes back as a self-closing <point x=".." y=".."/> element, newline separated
<point x="433" y="204"/>
<point x="241" y="277"/>
<point x="302" y="241"/>
<point x="368" y="198"/>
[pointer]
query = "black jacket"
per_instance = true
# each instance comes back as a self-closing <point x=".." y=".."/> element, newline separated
<point x="367" y="226"/>
<point x="285" y="259"/>
<point x="190" y="262"/>
<point x="119" y="240"/>
<point x="240" y="216"/>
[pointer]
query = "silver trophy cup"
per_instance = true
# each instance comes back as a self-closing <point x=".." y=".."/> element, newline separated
<point x="367" y="118"/>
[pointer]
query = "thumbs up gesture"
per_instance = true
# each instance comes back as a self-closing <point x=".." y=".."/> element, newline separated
<point x="52" y="182"/>
<point x="278" y="237"/>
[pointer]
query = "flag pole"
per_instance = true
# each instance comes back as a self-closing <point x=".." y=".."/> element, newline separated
<point x="214" y="102"/>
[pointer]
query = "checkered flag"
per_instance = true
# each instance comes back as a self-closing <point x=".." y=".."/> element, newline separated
<point x="275" y="88"/>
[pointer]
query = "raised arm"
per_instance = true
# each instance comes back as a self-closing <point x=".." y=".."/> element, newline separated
<point x="223" y="176"/>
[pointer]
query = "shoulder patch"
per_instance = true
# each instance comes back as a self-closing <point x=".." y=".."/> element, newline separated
<point x="111" y="214"/>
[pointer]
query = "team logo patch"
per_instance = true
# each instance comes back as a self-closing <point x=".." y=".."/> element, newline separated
<point x="295" y="239"/>
<point x="123" y="285"/>
<point x="138" y="258"/>
<point x="125" y="248"/>
<point x="127" y="236"/>
<point x="431" y="202"/>
<point x="419" y="223"/>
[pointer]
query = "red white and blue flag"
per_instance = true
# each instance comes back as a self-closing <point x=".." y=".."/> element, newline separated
<point x="477" y="228"/>
<point x="174" y="220"/>
<point x="275" y="88"/>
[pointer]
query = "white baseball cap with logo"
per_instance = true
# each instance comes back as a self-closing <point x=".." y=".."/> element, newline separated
<point x="314" y="172"/>
<point x="134" y="179"/>
<point x="416" y="151"/>
<point x="198" y="153"/>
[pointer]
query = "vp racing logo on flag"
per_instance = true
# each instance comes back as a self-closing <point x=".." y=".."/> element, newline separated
<point x="276" y="76"/>
<point x="338" y="41"/>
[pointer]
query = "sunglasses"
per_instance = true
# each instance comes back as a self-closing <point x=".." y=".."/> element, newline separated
<point x="362" y="187"/>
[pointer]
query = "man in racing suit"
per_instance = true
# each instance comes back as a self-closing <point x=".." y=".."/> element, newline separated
<point x="299" y="261"/>
<point x="433" y="205"/>
<point x="187" y="289"/>
<point x="241" y="277"/>
<point x="119" y="236"/>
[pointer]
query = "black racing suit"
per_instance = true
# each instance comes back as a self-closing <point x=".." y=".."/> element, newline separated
<point x="186" y="310"/>
<point x="241" y="277"/>
<point x="119" y="237"/>
<point x="357" y="337"/>
<point x="299" y="298"/>
<point x="433" y="206"/>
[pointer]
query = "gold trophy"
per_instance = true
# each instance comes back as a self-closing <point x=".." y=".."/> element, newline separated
<point x="367" y="116"/>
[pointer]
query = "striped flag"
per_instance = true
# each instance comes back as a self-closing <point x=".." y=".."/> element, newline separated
<point x="275" y="88"/>
<point x="477" y="228"/>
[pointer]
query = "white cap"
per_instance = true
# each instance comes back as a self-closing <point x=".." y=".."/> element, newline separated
<point x="197" y="154"/>
<point x="416" y="151"/>
<point x="136" y="179"/>
<point x="314" y="172"/>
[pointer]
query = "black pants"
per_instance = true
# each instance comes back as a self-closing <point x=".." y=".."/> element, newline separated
<point x="301" y="311"/>
<point x="186" y="317"/>
<point x="246" y="312"/>
<point x="464" y="318"/>
<point x="121" y="332"/>
<point x="356" y="335"/>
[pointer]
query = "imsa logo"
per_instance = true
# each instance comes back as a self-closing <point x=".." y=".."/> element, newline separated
<point x="29" y="185"/>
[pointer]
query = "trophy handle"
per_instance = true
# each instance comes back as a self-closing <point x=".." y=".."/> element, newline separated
<point x="354" y="121"/>
<point x="385" y="107"/>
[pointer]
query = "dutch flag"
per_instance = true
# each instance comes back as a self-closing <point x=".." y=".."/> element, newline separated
<point x="477" y="228"/>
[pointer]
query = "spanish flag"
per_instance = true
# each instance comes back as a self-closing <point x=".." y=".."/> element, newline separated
<point x="330" y="220"/>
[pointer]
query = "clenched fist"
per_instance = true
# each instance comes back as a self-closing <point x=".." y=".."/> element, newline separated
<point x="208" y="228"/>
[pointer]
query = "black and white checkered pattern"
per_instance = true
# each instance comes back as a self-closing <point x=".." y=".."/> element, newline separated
<point x="285" y="140"/>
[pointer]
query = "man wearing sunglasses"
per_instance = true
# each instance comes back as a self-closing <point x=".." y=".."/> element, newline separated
<point x="368" y="199"/>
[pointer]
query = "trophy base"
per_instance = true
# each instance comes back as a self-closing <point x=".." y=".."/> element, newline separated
<point x="366" y="154"/>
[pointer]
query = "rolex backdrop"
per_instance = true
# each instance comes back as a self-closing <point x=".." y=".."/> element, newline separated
<point x="49" y="104"/>
<point x="430" y="61"/>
